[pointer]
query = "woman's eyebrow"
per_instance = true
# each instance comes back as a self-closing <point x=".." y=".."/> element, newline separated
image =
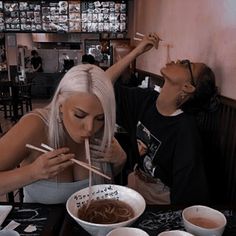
<point x="86" y="113"/>
<point x="80" y="110"/>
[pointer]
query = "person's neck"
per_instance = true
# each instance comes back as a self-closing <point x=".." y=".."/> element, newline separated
<point x="166" y="103"/>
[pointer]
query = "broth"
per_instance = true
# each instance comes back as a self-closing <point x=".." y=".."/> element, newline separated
<point x="106" y="211"/>
<point x="203" y="222"/>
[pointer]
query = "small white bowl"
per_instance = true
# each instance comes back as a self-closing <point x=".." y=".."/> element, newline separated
<point x="105" y="191"/>
<point x="203" y="221"/>
<point x="127" y="231"/>
<point x="8" y="232"/>
<point x="175" y="233"/>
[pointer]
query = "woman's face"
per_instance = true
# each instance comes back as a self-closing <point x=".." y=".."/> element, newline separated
<point x="82" y="115"/>
<point x="178" y="73"/>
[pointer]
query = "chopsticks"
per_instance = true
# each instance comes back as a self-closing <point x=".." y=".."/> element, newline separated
<point x="140" y="35"/>
<point x="81" y="163"/>
<point x="74" y="160"/>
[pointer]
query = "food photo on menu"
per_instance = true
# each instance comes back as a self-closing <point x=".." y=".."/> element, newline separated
<point x="2" y="27"/>
<point x="74" y="7"/>
<point x="63" y="7"/>
<point x="55" y="16"/>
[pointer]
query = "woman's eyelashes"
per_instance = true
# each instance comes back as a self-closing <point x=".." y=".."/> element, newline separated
<point x="99" y="118"/>
<point x="80" y="116"/>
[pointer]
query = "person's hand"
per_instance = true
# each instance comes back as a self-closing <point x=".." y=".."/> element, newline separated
<point x="114" y="155"/>
<point x="148" y="42"/>
<point x="50" y="164"/>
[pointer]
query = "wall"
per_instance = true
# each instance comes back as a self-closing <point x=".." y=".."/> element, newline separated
<point x="202" y="30"/>
<point x="24" y="39"/>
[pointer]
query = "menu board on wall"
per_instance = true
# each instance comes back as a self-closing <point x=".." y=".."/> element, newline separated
<point x="30" y="15"/>
<point x="104" y="16"/>
<point x="63" y="16"/>
<point x="55" y="16"/>
<point x="2" y="26"/>
<point x="74" y="16"/>
<point x="11" y="15"/>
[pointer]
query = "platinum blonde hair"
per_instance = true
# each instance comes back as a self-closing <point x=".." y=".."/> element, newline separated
<point x="83" y="78"/>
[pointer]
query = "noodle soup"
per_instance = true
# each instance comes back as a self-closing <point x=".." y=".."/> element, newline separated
<point x="204" y="222"/>
<point x="115" y="193"/>
<point x="106" y="211"/>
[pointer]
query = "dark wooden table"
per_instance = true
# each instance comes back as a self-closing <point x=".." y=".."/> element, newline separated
<point x="47" y="218"/>
<point x="155" y="220"/>
<point x="53" y="220"/>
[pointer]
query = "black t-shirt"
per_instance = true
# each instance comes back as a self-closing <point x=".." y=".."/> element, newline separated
<point x="172" y="145"/>
<point x="35" y="62"/>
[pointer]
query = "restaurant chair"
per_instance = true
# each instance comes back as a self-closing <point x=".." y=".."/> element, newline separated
<point x="25" y="96"/>
<point x="16" y="196"/>
<point x="9" y="97"/>
<point x="5" y="100"/>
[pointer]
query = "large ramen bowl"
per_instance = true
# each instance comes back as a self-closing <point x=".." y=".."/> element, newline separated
<point x="105" y="191"/>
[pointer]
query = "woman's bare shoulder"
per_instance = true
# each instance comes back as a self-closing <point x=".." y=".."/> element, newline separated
<point x="29" y="129"/>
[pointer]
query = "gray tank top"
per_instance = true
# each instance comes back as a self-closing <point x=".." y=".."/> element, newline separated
<point x="48" y="192"/>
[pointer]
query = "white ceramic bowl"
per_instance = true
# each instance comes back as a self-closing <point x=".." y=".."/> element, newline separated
<point x="209" y="222"/>
<point x="175" y="233"/>
<point x="127" y="231"/>
<point x="105" y="191"/>
<point x="8" y="232"/>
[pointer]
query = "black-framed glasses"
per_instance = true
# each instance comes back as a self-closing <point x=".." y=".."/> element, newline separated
<point x="188" y="64"/>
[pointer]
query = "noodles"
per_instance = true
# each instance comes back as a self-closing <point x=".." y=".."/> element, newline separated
<point x="106" y="211"/>
<point x="87" y="150"/>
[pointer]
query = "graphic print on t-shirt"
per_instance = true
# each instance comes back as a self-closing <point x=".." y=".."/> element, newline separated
<point x="148" y="146"/>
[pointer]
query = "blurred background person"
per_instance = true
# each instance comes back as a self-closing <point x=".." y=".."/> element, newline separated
<point x="88" y="59"/>
<point x="36" y="61"/>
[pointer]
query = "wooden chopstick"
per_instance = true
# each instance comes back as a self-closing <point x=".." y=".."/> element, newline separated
<point x="83" y="164"/>
<point x="137" y="39"/>
<point x="52" y="149"/>
<point x="47" y="147"/>
<point x="139" y="34"/>
<point x="36" y="148"/>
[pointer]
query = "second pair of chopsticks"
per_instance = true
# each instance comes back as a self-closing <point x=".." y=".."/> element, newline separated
<point x="81" y="163"/>
<point x="140" y="35"/>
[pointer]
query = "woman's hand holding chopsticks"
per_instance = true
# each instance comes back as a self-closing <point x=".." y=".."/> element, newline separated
<point x="63" y="161"/>
<point x="51" y="163"/>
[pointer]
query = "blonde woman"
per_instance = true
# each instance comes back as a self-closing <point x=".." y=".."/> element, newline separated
<point x="83" y="107"/>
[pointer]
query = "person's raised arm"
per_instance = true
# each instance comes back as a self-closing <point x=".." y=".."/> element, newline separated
<point x="148" y="42"/>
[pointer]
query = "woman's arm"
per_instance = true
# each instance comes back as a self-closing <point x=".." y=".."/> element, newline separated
<point x="13" y="152"/>
<point x="146" y="44"/>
